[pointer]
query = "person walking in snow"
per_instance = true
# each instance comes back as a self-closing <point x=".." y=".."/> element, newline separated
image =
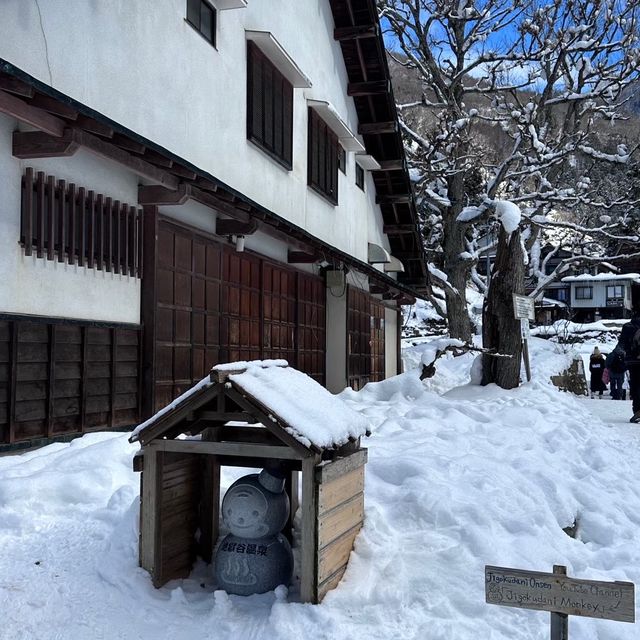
<point x="596" y="369"/>
<point x="630" y="341"/>
<point x="615" y="362"/>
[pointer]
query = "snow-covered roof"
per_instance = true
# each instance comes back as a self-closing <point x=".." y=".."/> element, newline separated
<point x="551" y="302"/>
<point x="300" y="405"/>
<point x="587" y="277"/>
<point x="312" y="414"/>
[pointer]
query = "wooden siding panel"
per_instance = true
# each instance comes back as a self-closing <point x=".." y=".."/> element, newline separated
<point x="58" y="378"/>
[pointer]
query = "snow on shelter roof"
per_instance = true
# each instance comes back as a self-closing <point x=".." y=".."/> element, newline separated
<point x="587" y="277"/>
<point x="305" y="409"/>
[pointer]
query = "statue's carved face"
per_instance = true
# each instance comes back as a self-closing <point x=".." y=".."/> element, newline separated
<point x="244" y="510"/>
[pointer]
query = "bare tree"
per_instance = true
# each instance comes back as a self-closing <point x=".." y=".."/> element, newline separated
<point x="515" y="94"/>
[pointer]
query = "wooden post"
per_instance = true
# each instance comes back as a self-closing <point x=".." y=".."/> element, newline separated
<point x="210" y="499"/>
<point x="150" y="510"/>
<point x="309" y="538"/>
<point x="559" y="621"/>
<point x="148" y="238"/>
<point x="291" y="487"/>
<point x="525" y="353"/>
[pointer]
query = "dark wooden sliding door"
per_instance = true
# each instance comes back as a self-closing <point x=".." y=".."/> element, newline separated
<point x="214" y="304"/>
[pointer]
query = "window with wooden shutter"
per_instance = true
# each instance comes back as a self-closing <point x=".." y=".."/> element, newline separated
<point x="323" y="158"/>
<point x="269" y="107"/>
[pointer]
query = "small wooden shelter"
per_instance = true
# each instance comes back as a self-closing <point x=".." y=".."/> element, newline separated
<point x="252" y="414"/>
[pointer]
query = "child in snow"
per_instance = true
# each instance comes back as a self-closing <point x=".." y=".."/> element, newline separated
<point x="596" y="369"/>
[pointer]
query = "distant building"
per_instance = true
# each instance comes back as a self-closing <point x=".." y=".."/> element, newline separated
<point x="605" y="295"/>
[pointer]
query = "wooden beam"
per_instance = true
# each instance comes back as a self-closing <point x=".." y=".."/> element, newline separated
<point x="392" y="165"/>
<point x="226" y="449"/>
<point x="54" y="106"/>
<point x="127" y="144"/>
<point x="93" y="126"/>
<point x="366" y="128"/>
<point x="212" y="200"/>
<point x="38" y="144"/>
<point x="13" y="85"/>
<point x="19" y="109"/>
<point x="230" y="227"/>
<point x="379" y="288"/>
<point x="371" y="88"/>
<point x="401" y="198"/>
<point x="183" y="172"/>
<point x="301" y="257"/>
<point x="341" y="466"/>
<point x="157" y="158"/>
<point x="355" y="33"/>
<point x="407" y="255"/>
<point x="262" y="414"/>
<point x="225" y="416"/>
<point x="399" y="229"/>
<point x="137" y="165"/>
<point x="159" y="195"/>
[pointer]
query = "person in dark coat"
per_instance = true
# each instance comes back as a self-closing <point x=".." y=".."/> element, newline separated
<point x="630" y="342"/>
<point x="615" y="362"/>
<point x="596" y="369"/>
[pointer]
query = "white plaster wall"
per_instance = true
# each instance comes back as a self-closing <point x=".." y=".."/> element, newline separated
<point x="144" y="66"/>
<point x="33" y="286"/>
<point x="390" y="342"/>
<point x="336" y="336"/>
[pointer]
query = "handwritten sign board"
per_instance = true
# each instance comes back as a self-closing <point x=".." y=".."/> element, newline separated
<point x="560" y="594"/>
<point x="523" y="307"/>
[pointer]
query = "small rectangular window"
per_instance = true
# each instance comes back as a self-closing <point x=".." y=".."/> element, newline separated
<point x="202" y="17"/>
<point x="359" y="176"/>
<point x="342" y="159"/>
<point x="269" y="107"/>
<point x="322" y="158"/>
<point x="615" y="291"/>
<point x="584" y="293"/>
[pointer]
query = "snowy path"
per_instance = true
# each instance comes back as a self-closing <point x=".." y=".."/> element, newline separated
<point x="458" y="477"/>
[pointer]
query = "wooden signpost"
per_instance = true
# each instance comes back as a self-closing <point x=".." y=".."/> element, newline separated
<point x="561" y="595"/>
<point x="524" y="310"/>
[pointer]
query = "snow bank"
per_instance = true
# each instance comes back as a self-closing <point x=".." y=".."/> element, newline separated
<point x="459" y="476"/>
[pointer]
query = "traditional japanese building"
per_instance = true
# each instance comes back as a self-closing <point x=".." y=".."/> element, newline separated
<point x="194" y="182"/>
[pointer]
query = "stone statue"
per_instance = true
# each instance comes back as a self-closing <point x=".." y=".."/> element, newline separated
<point x="255" y="557"/>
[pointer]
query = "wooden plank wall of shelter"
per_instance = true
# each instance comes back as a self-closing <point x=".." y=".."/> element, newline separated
<point x="171" y="484"/>
<point x="59" y="378"/>
<point x="340" y="514"/>
<point x="214" y="304"/>
<point x="365" y="339"/>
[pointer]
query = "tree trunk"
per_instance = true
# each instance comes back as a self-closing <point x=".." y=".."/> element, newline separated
<point x="500" y="330"/>
<point x="458" y="270"/>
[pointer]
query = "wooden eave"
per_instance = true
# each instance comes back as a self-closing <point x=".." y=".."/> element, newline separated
<point x="370" y="85"/>
<point x="58" y="116"/>
<point x="215" y="405"/>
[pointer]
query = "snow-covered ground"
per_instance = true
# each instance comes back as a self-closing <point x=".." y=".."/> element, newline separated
<point x="459" y="477"/>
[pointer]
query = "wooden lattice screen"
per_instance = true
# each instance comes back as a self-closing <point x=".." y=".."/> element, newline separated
<point x="62" y="221"/>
